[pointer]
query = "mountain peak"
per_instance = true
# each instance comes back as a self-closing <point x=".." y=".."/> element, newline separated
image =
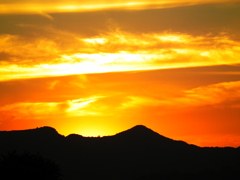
<point x="141" y="136"/>
<point x="47" y="129"/>
<point x="140" y="132"/>
<point x="40" y="132"/>
<point x="140" y="128"/>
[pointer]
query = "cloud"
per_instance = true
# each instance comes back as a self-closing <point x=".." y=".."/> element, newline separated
<point x="137" y="101"/>
<point x="43" y="110"/>
<point x="222" y="93"/>
<point x="53" y="84"/>
<point x="21" y="50"/>
<point x="111" y="52"/>
<point x="47" y="16"/>
<point x="226" y="94"/>
<point x="41" y="6"/>
<point x="39" y="110"/>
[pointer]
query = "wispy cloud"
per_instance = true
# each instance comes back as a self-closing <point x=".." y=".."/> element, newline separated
<point x="112" y="52"/>
<point x="218" y="95"/>
<point x="42" y="7"/>
<point x="43" y="110"/>
<point x="227" y="93"/>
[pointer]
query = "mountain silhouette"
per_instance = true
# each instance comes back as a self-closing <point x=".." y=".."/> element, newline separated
<point x="140" y="132"/>
<point x="143" y="134"/>
<point x="137" y="153"/>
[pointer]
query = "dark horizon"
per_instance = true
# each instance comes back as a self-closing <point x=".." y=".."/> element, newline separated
<point x="140" y="129"/>
<point x="136" y="153"/>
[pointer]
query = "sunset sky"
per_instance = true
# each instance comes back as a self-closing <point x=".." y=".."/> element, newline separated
<point x="101" y="67"/>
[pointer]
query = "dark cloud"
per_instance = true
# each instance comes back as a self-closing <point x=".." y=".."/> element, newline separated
<point x="5" y="56"/>
<point x="198" y="19"/>
<point x="12" y="24"/>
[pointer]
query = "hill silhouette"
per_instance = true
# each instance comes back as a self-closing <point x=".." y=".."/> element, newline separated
<point x="137" y="153"/>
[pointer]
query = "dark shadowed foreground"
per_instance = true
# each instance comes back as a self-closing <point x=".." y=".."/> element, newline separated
<point x="28" y="166"/>
<point x="138" y="153"/>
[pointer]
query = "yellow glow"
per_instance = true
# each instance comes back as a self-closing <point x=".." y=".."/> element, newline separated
<point x="80" y="107"/>
<point x="68" y="7"/>
<point x="135" y="101"/>
<point x="205" y="54"/>
<point x="95" y="40"/>
<point x="39" y="110"/>
<point x="90" y="7"/>
<point x="92" y="132"/>
<point x="172" y="38"/>
<point x="77" y="104"/>
<point x="42" y="7"/>
<point x="26" y="8"/>
<point x="114" y="52"/>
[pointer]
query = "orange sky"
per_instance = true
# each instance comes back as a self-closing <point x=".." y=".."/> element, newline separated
<point x="101" y="68"/>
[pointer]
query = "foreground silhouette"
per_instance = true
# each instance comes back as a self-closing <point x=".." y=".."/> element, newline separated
<point x="28" y="167"/>
<point x="138" y="153"/>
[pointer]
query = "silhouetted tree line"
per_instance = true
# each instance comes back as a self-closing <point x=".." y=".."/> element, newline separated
<point x="28" y="166"/>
